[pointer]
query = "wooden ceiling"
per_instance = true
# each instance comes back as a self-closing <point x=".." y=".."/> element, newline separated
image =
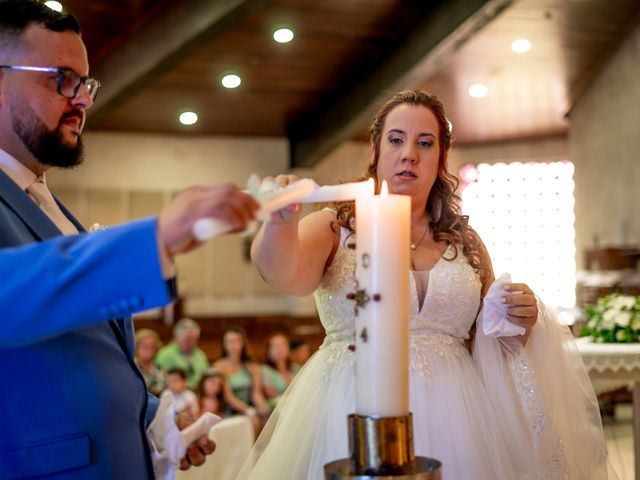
<point x="159" y="58"/>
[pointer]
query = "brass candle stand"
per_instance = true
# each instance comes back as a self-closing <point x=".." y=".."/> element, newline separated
<point x="382" y="448"/>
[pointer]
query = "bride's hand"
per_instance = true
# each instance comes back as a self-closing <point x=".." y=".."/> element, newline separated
<point x="290" y="213"/>
<point x="523" y="308"/>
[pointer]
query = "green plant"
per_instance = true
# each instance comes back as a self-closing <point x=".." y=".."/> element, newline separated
<point x="615" y="318"/>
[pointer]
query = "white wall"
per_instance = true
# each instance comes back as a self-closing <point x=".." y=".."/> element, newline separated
<point x="538" y="150"/>
<point x="161" y="162"/>
<point x="604" y="143"/>
<point x="347" y="162"/>
<point x="127" y="176"/>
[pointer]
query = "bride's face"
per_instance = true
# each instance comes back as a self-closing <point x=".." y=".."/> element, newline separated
<point x="409" y="151"/>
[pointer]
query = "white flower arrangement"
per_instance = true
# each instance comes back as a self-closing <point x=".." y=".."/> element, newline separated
<point x="96" y="227"/>
<point x="615" y="318"/>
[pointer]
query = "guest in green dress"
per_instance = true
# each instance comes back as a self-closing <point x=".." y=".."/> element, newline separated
<point x="243" y="386"/>
<point x="279" y="370"/>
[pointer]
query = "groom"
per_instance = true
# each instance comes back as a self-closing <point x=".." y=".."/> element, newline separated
<point x="73" y="404"/>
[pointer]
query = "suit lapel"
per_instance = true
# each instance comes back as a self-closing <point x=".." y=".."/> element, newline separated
<point x="120" y="325"/>
<point x="69" y="215"/>
<point x="25" y="208"/>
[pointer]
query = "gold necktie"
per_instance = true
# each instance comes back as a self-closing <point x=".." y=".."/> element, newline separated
<point x="40" y="193"/>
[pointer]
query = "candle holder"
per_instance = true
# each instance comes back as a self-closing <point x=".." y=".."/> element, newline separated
<point x="382" y="448"/>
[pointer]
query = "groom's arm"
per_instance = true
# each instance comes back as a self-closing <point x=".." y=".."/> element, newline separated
<point x="76" y="281"/>
<point x="72" y="282"/>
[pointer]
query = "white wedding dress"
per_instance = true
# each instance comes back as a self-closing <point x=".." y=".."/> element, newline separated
<point x="485" y="417"/>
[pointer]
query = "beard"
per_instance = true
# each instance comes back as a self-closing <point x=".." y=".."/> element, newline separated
<point x="47" y="146"/>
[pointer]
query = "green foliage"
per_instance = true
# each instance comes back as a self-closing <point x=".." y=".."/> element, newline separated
<point x="614" y="319"/>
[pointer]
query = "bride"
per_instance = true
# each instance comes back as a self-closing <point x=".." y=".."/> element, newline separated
<point x="488" y="408"/>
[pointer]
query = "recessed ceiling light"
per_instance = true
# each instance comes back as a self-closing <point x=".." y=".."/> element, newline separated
<point x="188" y="118"/>
<point x="56" y="6"/>
<point x="283" y="35"/>
<point x="231" y="80"/>
<point x="521" y="45"/>
<point x="478" y="90"/>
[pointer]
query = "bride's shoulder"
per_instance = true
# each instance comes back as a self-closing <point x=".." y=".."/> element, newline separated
<point x="322" y="222"/>
<point x="326" y="214"/>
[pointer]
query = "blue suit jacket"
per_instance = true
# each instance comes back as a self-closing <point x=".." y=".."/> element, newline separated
<point x="73" y="403"/>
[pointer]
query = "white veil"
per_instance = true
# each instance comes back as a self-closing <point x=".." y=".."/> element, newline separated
<point x="546" y="399"/>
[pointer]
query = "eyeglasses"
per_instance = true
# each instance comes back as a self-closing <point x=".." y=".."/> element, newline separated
<point x="68" y="81"/>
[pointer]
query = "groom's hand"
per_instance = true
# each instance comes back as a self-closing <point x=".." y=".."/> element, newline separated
<point x="198" y="451"/>
<point x="225" y="202"/>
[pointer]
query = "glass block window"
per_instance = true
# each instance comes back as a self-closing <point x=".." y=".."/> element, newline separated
<point x="524" y="215"/>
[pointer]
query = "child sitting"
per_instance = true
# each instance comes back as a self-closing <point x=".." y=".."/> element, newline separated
<point x="184" y="400"/>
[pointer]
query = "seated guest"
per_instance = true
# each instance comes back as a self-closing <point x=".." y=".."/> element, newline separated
<point x="278" y="373"/>
<point x="211" y="392"/>
<point x="147" y="345"/>
<point x="243" y="386"/>
<point x="183" y="352"/>
<point x="300" y="351"/>
<point x="184" y="400"/>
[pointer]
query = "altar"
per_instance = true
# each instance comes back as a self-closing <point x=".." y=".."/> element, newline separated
<point x="611" y="366"/>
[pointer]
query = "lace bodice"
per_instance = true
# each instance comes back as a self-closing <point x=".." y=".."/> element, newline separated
<point x="449" y="308"/>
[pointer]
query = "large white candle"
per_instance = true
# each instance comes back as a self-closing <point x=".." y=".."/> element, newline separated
<point x="382" y="324"/>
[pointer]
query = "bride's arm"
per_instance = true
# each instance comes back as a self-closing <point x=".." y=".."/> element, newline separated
<point x="292" y="255"/>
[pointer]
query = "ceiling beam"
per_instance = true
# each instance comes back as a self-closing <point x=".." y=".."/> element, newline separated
<point x="417" y="57"/>
<point x="167" y="37"/>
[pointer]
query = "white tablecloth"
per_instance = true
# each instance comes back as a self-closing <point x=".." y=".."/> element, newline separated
<point x="610" y="365"/>
<point x="614" y="365"/>
<point x="234" y="438"/>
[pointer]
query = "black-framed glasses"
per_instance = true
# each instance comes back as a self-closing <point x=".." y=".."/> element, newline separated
<point x="68" y="81"/>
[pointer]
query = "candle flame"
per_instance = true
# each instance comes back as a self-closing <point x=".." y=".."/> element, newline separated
<point x="384" y="191"/>
<point x="371" y="186"/>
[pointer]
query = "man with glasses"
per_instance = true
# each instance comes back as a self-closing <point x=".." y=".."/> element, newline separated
<point x="74" y="404"/>
<point x="69" y="82"/>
